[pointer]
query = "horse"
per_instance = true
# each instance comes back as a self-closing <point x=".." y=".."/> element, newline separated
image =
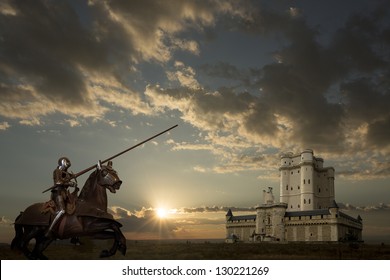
<point x="88" y="218"/>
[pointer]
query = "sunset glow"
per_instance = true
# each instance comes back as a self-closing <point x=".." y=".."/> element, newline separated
<point x="161" y="213"/>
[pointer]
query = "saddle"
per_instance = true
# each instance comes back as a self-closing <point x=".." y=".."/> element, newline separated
<point x="70" y="204"/>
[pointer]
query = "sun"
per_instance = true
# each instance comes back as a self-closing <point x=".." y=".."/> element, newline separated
<point x="161" y="213"/>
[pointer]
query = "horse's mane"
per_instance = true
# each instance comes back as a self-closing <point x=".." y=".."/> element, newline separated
<point x="88" y="186"/>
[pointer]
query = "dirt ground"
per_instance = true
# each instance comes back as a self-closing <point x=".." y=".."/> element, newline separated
<point x="189" y="250"/>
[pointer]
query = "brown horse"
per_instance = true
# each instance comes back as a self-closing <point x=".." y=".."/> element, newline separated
<point x="89" y="218"/>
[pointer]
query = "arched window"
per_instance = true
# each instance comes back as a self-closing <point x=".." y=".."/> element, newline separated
<point x="304" y="201"/>
<point x="309" y="200"/>
<point x="308" y="181"/>
<point x="304" y="181"/>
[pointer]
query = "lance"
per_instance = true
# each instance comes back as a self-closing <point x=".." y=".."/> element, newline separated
<point x="114" y="156"/>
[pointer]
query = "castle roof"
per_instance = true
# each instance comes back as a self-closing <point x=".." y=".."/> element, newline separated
<point x="229" y="213"/>
<point x="243" y="217"/>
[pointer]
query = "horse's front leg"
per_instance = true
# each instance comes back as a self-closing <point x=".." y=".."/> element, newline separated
<point x="120" y="239"/>
<point x="107" y="235"/>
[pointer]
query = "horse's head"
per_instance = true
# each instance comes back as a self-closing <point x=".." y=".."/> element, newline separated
<point x="108" y="177"/>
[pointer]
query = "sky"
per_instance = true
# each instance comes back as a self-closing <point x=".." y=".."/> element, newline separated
<point x="244" y="80"/>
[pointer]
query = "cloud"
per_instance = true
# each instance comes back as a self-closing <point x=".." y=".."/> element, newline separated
<point x="180" y="223"/>
<point x="330" y="97"/>
<point x="328" y="92"/>
<point x="5" y="222"/>
<point x="78" y="59"/>
<point x="4" y="126"/>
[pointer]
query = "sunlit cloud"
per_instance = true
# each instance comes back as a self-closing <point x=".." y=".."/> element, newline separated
<point x="4" y="125"/>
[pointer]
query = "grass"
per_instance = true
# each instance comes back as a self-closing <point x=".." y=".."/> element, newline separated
<point x="166" y="250"/>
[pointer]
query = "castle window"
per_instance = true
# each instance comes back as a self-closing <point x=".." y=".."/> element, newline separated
<point x="308" y="181"/>
<point x="299" y="217"/>
<point x="299" y="187"/>
<point x="292" y="172"/>
<point x="291" y="206"/>
<point x="291" y="188"/>
<point x="286" y="187"/>
<point x="319" y="190"/>
<point x="304" y="201"/>
<point x="299" y="206"/>
<point x="304" y="181"/>
<point x="309" y="200"/>
<point x="298" y="171"/>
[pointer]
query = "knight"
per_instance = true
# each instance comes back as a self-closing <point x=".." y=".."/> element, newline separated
<point x="62" y="180"/>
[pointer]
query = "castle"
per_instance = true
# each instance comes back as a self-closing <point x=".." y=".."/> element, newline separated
<point x="307" y="210"/>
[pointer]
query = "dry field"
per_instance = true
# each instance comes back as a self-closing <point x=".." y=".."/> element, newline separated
<point x="190" y="250"/>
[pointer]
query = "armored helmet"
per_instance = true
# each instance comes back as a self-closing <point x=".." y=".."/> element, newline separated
<point x="64" y="163"/>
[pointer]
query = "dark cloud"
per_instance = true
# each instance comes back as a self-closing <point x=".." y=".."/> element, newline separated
<point x="330" y="93"/>
<point x="323" y="91"/>
<point x="44" y="45"/>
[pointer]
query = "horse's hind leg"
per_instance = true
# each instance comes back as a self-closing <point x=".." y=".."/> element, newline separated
<point x="41" y="244"/>
<point x="30" y="232"/>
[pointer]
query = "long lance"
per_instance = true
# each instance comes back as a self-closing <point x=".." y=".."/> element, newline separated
<point x="114" y="156"/>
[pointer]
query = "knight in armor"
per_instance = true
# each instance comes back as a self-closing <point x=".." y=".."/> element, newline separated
<point x="62" y="180"/>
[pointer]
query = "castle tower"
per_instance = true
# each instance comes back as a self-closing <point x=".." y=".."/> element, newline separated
<point x="304" y="183"/>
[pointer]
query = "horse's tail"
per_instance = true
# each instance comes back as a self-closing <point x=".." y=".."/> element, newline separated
<point x="16" y="242"/>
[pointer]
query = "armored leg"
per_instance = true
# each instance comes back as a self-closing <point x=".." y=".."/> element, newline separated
<point x="59" y="214"/>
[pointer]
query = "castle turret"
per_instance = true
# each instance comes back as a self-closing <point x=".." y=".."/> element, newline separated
<point x="229" y="215"/>
<point x="307" y="190"/>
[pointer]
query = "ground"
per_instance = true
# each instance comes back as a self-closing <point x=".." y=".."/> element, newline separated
<point x="192" y="250"/>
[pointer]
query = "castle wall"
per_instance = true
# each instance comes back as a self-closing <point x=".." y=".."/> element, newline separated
<point x="241" y="227"/>
<point x="270" y="221"/>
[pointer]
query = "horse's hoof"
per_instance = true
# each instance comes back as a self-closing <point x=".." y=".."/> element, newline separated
<point x="105" y="254"/>
<point x="75" y="241"/>
<point x="31" y="256"/>
<point x="122" y="249"/>
<point x="43" y="257"/>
